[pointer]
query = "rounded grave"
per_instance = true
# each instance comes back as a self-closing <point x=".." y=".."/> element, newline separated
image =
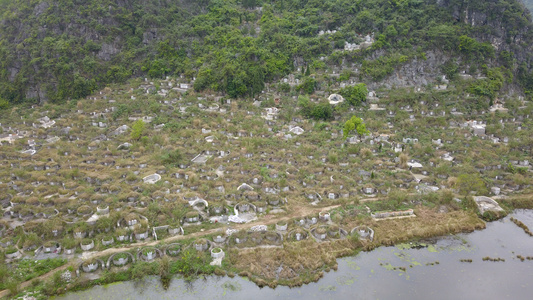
<point x="151" y="179"/>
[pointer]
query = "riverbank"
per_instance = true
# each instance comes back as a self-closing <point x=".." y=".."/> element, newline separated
<point x="292" y="264"/>
<point x="445" y="267"/>
<point x="289" y="263"/>
<point x="306" y="261"/>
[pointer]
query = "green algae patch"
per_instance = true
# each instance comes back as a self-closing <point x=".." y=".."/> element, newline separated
<point x="231" y="286"/>
<point x="431" y="248"/>
<point x="413" y="245"/>
<point x="346" y="280"/>
<point x="404" y="246"/>
<point x="353" y="265"/>
<point x="329" y="288"/>
<point x="406" y="257"/>
<point x="389" y="267"/>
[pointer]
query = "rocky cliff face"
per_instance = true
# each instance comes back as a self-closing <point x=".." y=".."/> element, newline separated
<point x="506" y="25"/>
<point x="416" y="73"/>
<point x="490" y="22"/>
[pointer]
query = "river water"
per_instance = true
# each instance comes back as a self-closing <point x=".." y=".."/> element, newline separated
<point x="433" y="271"/>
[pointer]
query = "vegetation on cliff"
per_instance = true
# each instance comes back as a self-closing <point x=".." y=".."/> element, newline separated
<point x="56" y="50"/>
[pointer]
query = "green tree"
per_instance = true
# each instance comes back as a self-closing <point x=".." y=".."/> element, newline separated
<point x="356" y="124"/>
<point x="489" y="86"/>
<point x="450" y="69"/>
<point x="236" y="87"/>
<point x="467" y="183"/>
<point x="137" y="129"/>
<point x="305" y="105"/>
<point x="355" y="94"/>
<point x="475" y="50"/>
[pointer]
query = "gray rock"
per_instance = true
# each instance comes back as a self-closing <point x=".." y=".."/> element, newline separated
<point x="40" y="8"/>
<point x="125" y="146"/>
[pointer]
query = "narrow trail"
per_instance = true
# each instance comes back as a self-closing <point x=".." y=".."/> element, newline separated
<point x="296" y="211"/>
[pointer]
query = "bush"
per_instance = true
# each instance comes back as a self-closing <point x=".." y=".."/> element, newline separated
<point x="469" y="204"/>
<point x="141" y="269"/>
<point x="285" y="87"/>
<point x="308" y="86"/>
<point x="4" y="104"/>
<point x="164" y="272"/>
<point x="489" y="86"/>
<point x="471" y="183"/>
<point x="380" y="68"/>
<point x="398" y="196"/>
<point x="474" y="50"/>
<point x="12" y="286"/>
<point x="450" y="69"/>
<point x="354" y="123"/>
<point x="171" y="158"/>
<point x="320" y="111"/>
<point x="137" y="129"/>
<point x="192" y="264"/>
<point x="491" y="215"/>
<point x="355" y="94"/>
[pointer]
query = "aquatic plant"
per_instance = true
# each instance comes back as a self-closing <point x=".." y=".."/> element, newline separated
<point x="522" y="225"/>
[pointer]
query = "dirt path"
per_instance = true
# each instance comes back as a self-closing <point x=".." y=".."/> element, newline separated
<point x="301" y="211"/>
<point x="381" y="198"/>
<point x="296" y="211"/>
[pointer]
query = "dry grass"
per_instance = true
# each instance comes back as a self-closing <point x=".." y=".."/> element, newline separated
<point x="403" y="160"/>
<point x="300" y="262"/>
<point x="524" y="201"/>
<point x="452" y="181"/>
<point x="365" y="153"/>
<point x="304" y="262"/>
<point x="428" y="223"/>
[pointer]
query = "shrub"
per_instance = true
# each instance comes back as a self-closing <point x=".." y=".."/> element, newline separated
<point x="308" y="86"/>
<point x="137" y="129"/>
<point x="491" y="215"/>
<point x="285" y="87"/>
<point x="355" y="94"/>
<point x="320" y="111"/>
<point x="141" y="269"/>
<point x="355" y="123"/>
<point x="171" y="158"/>
<point x="471" y="183"/>
<point x="192" y="264"/>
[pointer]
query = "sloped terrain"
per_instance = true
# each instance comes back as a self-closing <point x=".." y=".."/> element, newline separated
<point x="152" y="161"/>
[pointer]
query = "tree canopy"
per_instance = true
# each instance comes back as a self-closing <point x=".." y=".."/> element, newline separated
<point x="355" y="94"/>
<point x="137" y="129"/>
<point x="357" y="124"/>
